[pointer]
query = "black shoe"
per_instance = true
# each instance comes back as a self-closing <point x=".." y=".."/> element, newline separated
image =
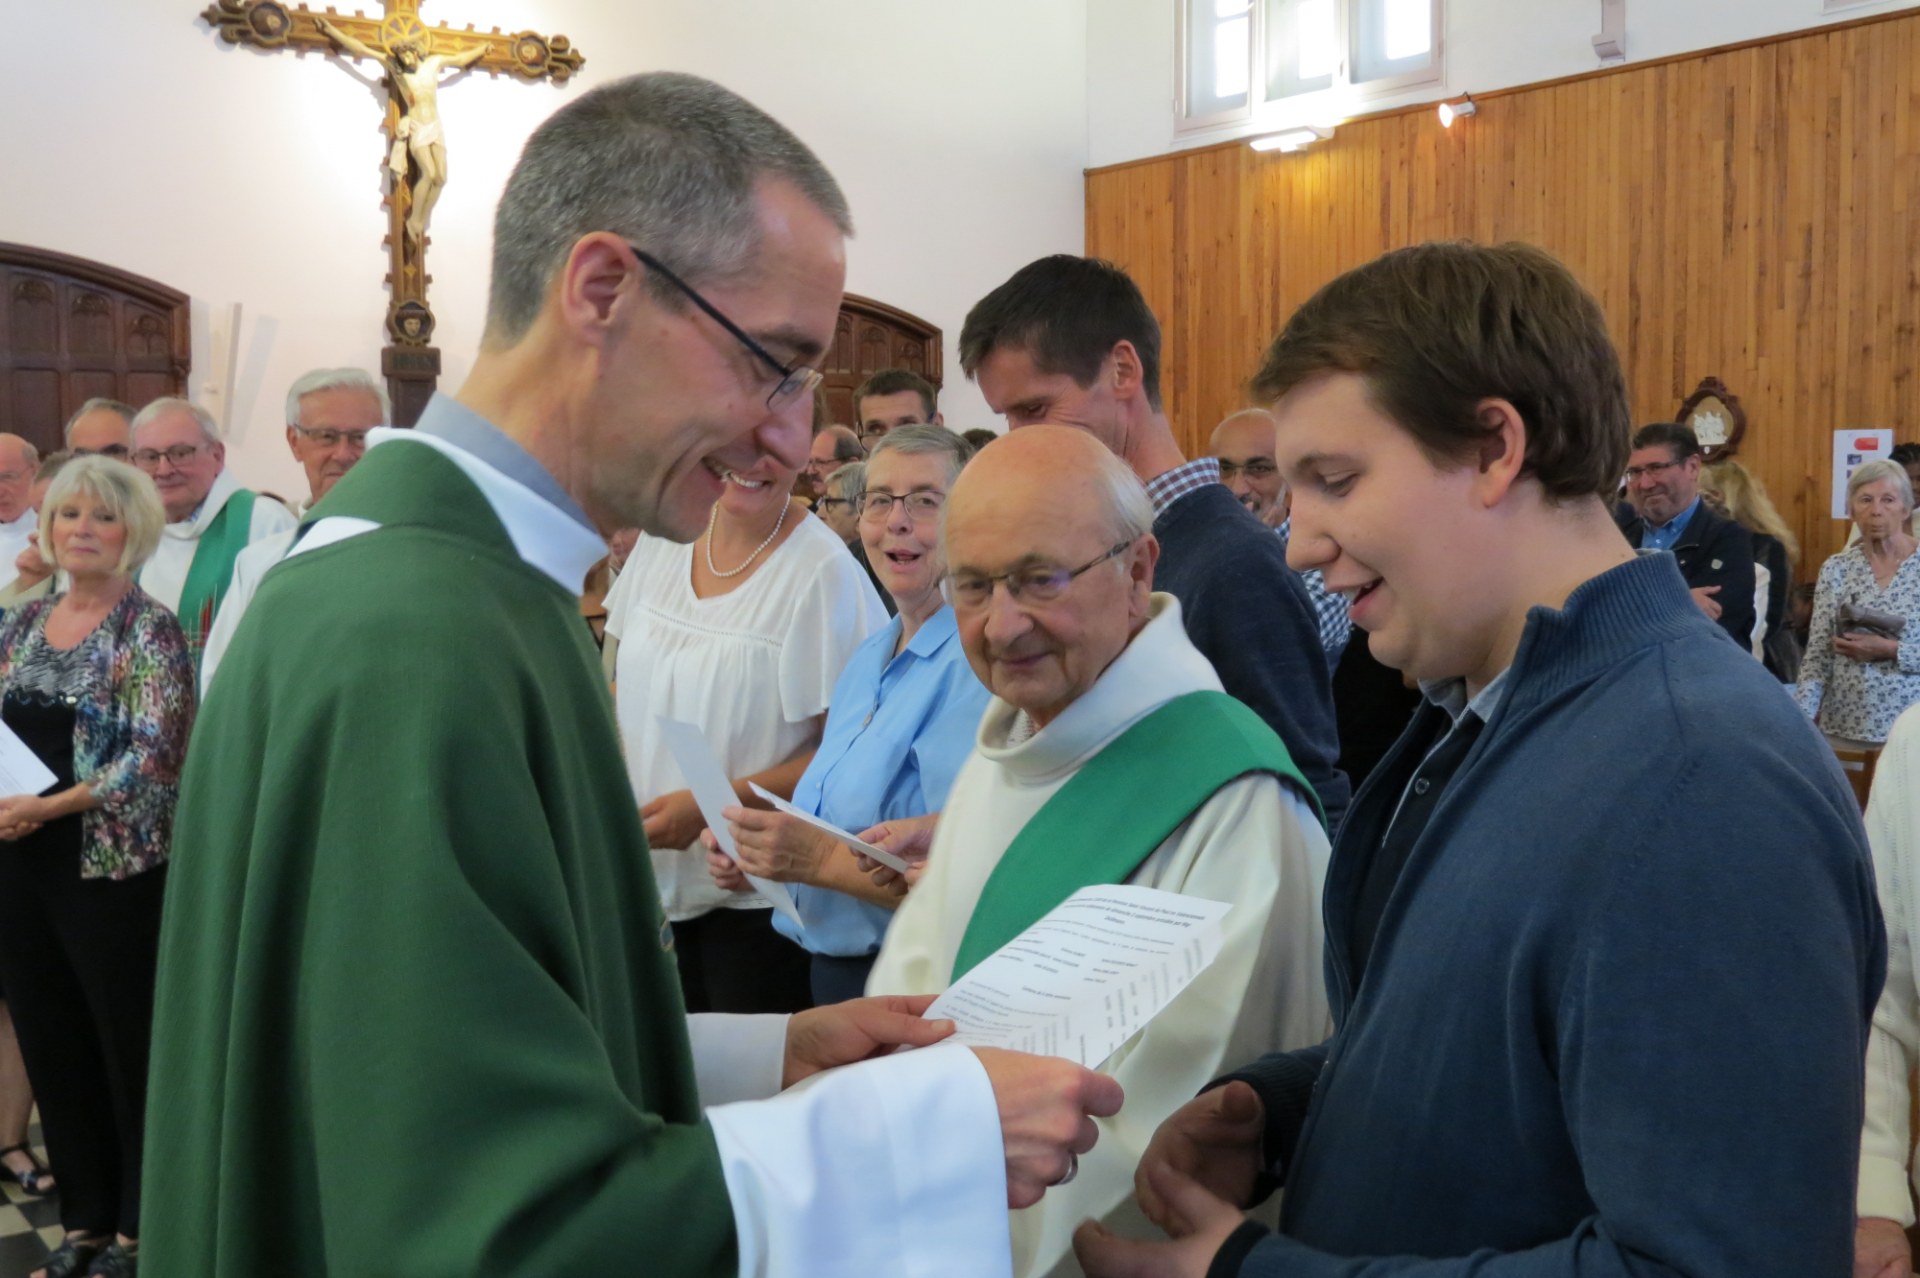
<point x="36" y="1180"/>
<point x="73" y="1258"/>
<point x="116" y="1262"/>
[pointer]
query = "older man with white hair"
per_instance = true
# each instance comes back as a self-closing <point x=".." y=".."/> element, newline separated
<point x="1109" y="754"/>
<point x="210" y="517"/>
<point x="329" y="412"/>
<point x="18" y="519"/>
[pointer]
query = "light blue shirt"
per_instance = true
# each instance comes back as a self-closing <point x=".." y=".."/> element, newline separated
<point x="1664" y="535"/>
<point x="897" y="731"/>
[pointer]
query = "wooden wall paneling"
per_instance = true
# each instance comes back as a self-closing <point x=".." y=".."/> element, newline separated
<point x="1747" y="212"/>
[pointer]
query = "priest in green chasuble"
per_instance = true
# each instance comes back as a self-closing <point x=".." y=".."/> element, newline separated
<point x="1109" y="754"/>
<point x="210" y="517"/>
<point x="416" y="1012"/>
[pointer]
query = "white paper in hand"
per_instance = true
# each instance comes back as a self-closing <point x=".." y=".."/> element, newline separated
<point x="1088" y="976"/>
<point x="713" y="794"/>
<point x="879" y="854"/>
<point x="21" y="770"/>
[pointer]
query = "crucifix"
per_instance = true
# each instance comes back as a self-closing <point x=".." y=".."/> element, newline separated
<point x="412" y="57"/>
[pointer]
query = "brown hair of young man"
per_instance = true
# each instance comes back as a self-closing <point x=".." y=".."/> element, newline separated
<point x="1067" y="313"/>
<point x="891" y="381"/>
<point x="1437" y="328"/>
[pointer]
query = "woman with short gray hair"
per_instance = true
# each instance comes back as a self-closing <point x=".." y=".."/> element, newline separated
<point x="99" y="685"/>
<point x="1862" y="666"/>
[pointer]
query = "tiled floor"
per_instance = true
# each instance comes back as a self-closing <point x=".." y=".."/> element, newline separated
<point x="29" y="1227"/>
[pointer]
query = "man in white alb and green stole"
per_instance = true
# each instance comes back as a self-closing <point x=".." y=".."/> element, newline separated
<point x="210" y="517"/>
<point x="1109" y="754"/>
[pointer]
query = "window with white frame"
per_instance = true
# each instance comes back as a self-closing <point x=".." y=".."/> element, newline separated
<point x="1239" y="55"/>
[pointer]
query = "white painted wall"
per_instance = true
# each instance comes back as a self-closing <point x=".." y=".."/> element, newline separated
<point x="1490" y="44"/>
<point x="253" y="177"/>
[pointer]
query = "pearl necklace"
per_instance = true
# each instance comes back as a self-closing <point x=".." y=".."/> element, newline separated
<point x="778" y="525"/>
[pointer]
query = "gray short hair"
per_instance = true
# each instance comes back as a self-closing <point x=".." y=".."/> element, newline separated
<point x="1128" y="507"/>
<point x="128" y="492"/>
<point x="93" y="405"/>
<point x="917" y="440"/>
<point x="1874" y="471"/>
<point x="326" y="379"/>
<point x="850" y="480"/>
<point x="665" y="160"/>
<point x="161" y="407"/>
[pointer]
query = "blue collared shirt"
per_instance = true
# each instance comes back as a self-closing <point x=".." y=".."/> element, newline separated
<point x="1662" y="536"/>
<point x="897" y="731"/>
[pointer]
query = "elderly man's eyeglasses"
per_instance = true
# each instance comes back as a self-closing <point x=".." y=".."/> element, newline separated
<point x="795" y="379"/>
<point x="179" y="455"/>
<point x="1036" y="583"/>
<point x="1651" y="468"/>
<point x="827" y="503"/>
<point x="327" y="437"/>
<point x="1258" y="468"/>
<point x="921" y="507"/>
<point x="116" y="451"/>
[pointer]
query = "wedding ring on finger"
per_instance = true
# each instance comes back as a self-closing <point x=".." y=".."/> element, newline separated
<point x="1073" y="1169"/>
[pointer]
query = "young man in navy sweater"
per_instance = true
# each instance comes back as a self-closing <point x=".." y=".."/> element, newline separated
<point x="1602" y="942"/>
<point x="1071" y="341"/>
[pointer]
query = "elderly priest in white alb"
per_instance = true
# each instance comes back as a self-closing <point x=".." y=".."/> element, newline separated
<point x="1109" y="754"/>
<point x="19" y="521"/>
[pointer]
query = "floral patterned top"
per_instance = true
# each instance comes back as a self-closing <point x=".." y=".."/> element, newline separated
<point x="1860" y="699"/>
<point x="133" y="703"/>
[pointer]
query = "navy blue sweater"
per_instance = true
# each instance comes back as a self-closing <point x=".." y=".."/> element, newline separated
<point x="1249" y="614"/>
<point x="1615" y="1019"/>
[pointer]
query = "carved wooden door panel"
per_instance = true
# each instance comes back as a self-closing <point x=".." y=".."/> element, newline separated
<point x="71" y="330"/>
<point x="872" y="336"/>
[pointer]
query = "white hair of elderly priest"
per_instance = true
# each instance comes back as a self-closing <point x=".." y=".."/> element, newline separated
<point x="168" y="404"/>
<point x="327" y="379"/>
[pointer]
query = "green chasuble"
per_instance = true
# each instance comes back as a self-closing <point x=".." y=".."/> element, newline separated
<point x="1119" y="807"/>
<point x="415" y="1016"/>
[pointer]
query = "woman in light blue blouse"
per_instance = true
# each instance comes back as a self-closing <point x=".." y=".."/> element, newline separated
<point x="901" y="723"/>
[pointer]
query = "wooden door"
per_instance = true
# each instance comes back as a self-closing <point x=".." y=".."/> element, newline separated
<point x="870" y="337"/>
<point x="71" y="330"/>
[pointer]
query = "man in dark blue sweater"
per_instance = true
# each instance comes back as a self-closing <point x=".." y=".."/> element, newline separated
<point x="1071" y="341"/>
<point x="1602" y="942"/>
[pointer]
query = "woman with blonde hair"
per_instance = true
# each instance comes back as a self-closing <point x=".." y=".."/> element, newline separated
<point x="98" y="684"/>
<point x="1731" y="487"/>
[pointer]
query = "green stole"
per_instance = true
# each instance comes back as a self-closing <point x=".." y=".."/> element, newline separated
<point x="211" y="571"/>
<point x="1110" y="816"/>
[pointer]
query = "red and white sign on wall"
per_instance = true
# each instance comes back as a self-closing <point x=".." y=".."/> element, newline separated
<point x="1851" y="450"/>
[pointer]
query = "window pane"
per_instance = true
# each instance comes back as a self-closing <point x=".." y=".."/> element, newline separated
<point x="1393" y="38"/>
<point x="1218" y="59"/>
<point x="1230" y="67"/>
<point x="1303" y="47"/>
<point x="1409" y="29"/>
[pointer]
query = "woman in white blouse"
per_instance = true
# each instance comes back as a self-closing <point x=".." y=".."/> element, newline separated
<point x="743" y="634"/>
<point x="1862" y="666"/>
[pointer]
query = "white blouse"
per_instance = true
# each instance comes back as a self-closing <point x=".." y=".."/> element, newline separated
<point x="752" y="668"/>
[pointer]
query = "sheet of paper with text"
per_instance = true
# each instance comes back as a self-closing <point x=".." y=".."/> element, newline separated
<point x="1088" y="976"/>
<point x="21" y="770"/>
<point x="713" y="794"/>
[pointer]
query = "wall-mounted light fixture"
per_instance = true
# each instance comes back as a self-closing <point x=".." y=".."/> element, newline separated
<point x="1451" y="111"/>
<point x="1292" y="139"/>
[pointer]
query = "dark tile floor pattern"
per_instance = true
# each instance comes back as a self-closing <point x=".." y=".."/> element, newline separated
<point x="29" y="1227"/>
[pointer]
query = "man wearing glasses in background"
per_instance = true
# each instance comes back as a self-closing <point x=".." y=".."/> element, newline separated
<point x="329" y="412"/>
<point x="1243" y="445"/>
<point x="1715" y="554"/>
<point x="210" y="517"/>
<point x="103" y="426"/>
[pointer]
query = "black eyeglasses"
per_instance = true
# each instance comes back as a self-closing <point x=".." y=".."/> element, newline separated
<point x="118" y="452"/>
<point x="1257" y="468"/>
<point x="794" y="379"/>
